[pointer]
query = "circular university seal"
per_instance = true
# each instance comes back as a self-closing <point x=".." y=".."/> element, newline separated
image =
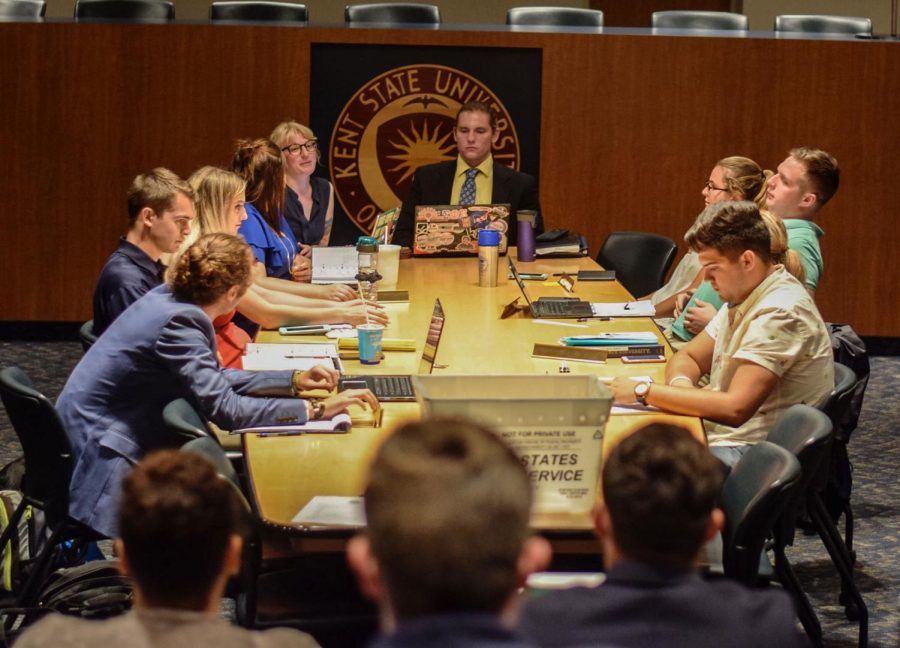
<point x="397" y="122"/>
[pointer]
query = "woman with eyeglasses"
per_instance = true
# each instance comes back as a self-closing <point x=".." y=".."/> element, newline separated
<point x="308" y="201"/>
<point x="733" y="178"/>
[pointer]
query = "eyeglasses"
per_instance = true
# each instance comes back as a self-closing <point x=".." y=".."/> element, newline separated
<point x="294" y="149"/>
<point x="709" y="186"/>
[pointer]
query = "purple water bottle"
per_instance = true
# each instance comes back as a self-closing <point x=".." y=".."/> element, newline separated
<point x="525" y="221"/>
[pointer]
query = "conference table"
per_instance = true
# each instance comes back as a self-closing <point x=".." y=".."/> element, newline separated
<point x="286" y="472"/>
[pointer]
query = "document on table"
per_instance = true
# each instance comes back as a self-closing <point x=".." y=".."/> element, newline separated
<point x="334" y="265"/>
<point x="332" y="511"/>
<point x="338" y="424"/>
<point x="641" y="308"/>
<point x="298" y="356"/>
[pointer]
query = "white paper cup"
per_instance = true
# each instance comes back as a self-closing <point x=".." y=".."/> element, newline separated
<point x="388" y="265"/>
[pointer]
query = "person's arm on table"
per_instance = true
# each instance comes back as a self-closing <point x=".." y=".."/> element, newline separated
<point x="331" y="292"/>
<point x="749" y="387"/>
<point x="271" y="310"/>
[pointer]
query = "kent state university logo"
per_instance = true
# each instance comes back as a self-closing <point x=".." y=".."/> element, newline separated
<point x="397" y="122"/>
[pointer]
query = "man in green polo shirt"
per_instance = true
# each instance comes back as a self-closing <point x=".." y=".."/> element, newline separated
<point x="803" y="183"/>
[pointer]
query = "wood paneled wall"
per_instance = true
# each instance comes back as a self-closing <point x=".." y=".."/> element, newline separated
<point x="631" y="125"/>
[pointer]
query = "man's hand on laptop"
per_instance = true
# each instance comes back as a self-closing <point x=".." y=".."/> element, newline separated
<point x="340" y="402"/>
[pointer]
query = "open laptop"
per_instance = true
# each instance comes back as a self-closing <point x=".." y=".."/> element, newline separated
<point x="552" y="308"/>
<point x="452" y="230"/>
<point x="399" y="388"/>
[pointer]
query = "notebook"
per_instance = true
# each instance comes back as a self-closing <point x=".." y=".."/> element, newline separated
<point x="452" y="230"/>
<point x="552" y="308"/>
<point x="399" y="388"/>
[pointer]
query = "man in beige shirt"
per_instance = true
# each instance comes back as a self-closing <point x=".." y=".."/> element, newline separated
<point x="766" y="349"/>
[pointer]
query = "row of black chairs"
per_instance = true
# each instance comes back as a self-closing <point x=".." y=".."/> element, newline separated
<point x="415" y="13"/>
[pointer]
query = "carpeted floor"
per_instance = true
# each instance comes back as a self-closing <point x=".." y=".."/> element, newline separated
<point x="875" y="453"/>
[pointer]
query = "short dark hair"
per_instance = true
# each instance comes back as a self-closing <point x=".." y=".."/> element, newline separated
<point x="731" y="227"/>
<point x="821" y="169"/>
<point x="447" y="509"/>
<point x="660" y="485"/>
<point x="478" y="106"/>
<point x="176" y="518"/>
<point x="157" y="190"/>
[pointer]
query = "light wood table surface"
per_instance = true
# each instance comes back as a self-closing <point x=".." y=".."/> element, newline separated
<point x="286" y="472"/>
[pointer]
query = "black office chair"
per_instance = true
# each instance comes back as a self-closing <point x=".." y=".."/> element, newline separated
<point x="755" y="493"/>
<point x="554" y="17"/>
<point x="641" y="260"/>
<point x="258" y="10"/>
<point x="813" y="24"/>
<point x="389" y="13"/>
<point x="807" y="433"/>
<point x="684" y="19"/>
<point x="314" y="593"/>
<point x="48" y="471"/>
<point x="22" y="8"/>
<point x="185" y="424"/>
<point x="86" y="335"/>
<point x="131" y="10"/>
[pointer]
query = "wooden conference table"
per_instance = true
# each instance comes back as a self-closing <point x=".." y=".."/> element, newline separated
<point x="286" y="472"/>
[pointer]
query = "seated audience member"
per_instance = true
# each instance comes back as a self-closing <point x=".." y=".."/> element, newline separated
<point x="179" y="541"/>
<point x="765" y="350"/>
<point x="473" y="178"/>
<point x="660" y="488"/>
<point x="266" y="230"/>
<point x="219" y="201"/>
<point x="805" y="181"/>
<point x="733" y="178"/>
<point x="308" y="201"/>
<point x="159" y="218"/>
<point x="447" y="541"/>
<point x="163" y="348"/>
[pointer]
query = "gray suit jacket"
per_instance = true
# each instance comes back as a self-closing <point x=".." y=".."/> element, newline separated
<point x="158" y="350"/>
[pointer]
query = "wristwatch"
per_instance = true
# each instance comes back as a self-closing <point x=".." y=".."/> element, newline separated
<point x="640" y="392"/>
<point x="317" y="410"/>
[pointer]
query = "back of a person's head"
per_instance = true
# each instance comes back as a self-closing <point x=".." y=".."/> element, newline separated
<point x="745" y="177"/>
<point x="447" y="509"/>
<point x="259" y="162"/>
<point x="155" y="189"/>
<point x="176" y="519"/>
<point x="660" y="486"/>
<point x="209" y="267"/>
<point x="731" y="227"/>
<point x="822" y="171"/>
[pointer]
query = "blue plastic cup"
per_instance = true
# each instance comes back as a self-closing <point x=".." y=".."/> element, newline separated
<point x="370" y="343"/>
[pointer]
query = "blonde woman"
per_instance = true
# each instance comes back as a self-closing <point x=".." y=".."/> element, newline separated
<point x="219" y="203"/>
<point x="308" y="201"/>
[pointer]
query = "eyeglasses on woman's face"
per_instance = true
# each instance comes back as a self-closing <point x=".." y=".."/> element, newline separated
<point x="309" y="147"/>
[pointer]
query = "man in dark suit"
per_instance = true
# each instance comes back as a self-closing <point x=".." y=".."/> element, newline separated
<point x="446" y="543"/>
<point x="473" y="178"/>
<point x="660" y="487"/>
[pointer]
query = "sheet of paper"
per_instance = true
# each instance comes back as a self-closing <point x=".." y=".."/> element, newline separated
<point x="334" y="264"/>
<point x="338" y="424"/>
<point x="298" y="356"/>
<point x="642" y="308"/>
<point x="333" y="511"/>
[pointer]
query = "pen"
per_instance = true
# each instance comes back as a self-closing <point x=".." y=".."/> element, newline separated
<point x="561" y="274"/>
<point x="594" y="319"/>
<point x="281" y="434"/>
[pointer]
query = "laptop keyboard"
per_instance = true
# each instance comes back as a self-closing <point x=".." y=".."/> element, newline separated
<point x="393" y="386"/>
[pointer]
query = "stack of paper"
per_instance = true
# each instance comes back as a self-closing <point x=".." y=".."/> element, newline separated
<point x="334" y="265"/>
<point x="300" y="356"/>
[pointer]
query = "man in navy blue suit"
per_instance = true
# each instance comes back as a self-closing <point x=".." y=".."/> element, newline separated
<point x="447" y="542"/>
<point x="444" y="183"/>
<point x="660" y="488"/>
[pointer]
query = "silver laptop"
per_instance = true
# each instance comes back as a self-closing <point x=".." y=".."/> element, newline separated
<point x="552" y="308"/>
<point x="399" y="388"/>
